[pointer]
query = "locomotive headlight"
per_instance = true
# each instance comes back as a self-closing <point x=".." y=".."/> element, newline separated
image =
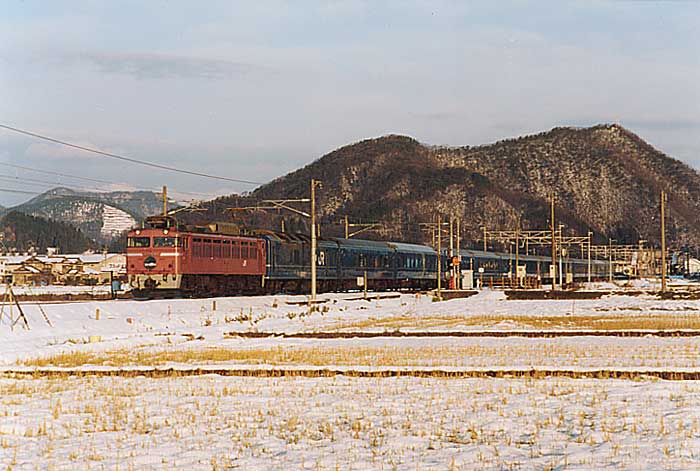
<point x="165" y="231"/>
<point x="138" y="232"/>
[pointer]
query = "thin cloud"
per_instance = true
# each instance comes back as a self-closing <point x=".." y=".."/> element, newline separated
<point x="160" y="66"/>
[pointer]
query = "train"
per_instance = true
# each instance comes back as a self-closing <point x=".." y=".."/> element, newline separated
<point x="165" y="259"/>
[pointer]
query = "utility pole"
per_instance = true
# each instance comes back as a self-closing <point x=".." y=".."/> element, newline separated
<point x="554" y="246"/>
<point x="610" y="268"/>
<point x="484" y="228"/>
<point x="663" y="242"/>
<point x="347" y="228"/>
<point x="439" y="259"/>
<point x="510" y="263"/>
<point x="165" y="200"/>
<point x="589" y="255"/>
<point x="517" y="254"/>
<point x="458" y="268"/>
<point x="561" y="254"/>
<point x="314" y="183"/>
<point x="452" y="248"/>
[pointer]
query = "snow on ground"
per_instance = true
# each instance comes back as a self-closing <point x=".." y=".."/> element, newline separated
<point x="131" y="324"/>
<point x="58" y="290"/>
<point x="216" y="423"/>
<point x="573" y="353"/>
<point x="213" y="422"/>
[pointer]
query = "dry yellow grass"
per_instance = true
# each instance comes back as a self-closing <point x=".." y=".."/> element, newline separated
<point x="679" y="353"/>
<point x="579" y="322"/>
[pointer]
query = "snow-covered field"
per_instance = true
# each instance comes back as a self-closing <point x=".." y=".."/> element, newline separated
<point x="133" y="324"/>
<point x="58" y="290"/>
<point x="217" y="423"/>
<point x="341" y="422"/>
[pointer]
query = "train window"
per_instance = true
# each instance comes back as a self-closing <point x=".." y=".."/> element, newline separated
<point x="217" y="249"/>
<point x="253" y="253"/>
<point x="244" y="251"/>
<point x="227" y="249"/>
<point x="296" y="257"/>
<point x="164" y="242"/>
<point x="139" y="242"/>
<point x="236" y="251"/>
<point x="363" y="260"/>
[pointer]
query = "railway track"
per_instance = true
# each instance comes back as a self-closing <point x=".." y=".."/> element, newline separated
<point x="480" y="333"/>
<point x="534" y="373"/>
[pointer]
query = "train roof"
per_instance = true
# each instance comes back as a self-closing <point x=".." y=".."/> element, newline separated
<point x="480" y="253"/>
<point x="365" y="244"/>
<point x="416" y="248"/>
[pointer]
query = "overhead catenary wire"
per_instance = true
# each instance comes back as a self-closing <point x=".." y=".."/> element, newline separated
<point x="26" y="181"/>
<point x="8" y="190"/>
<point x="48" y="172"/>
<point x="95" y="180"/>
<point x="23" y="181"/>
<point x="125" y="158"/>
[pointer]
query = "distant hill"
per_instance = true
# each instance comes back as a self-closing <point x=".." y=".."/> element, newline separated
<point x="100" y="216"/>
<point x="606" y="178"/>
<point x="21" y="233"/>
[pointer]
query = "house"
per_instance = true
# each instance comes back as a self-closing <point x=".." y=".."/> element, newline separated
<point x="69" y="269"/>
<point x="25" y="270"/>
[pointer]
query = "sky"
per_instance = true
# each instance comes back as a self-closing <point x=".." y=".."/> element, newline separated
<point x="254" y="90"/>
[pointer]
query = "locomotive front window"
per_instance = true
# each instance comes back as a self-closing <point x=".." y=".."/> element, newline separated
<point x="139" y="242"/>
<point x="164" y="242"/>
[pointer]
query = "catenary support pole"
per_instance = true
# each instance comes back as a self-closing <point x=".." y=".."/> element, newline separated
<point x="165" y="200"/>
<point x="589" y="255"/>
<point x="459" y="257"/>
<point x="554" y="245"/>
<point x="663" y="241"/>
<point x="313" y="238"/>
<point x="439" y="259"/>
<point x="610" y="264"/>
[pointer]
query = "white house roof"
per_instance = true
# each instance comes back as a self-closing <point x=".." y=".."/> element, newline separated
<point x="46" y="259"/>
<point x="15" y="259"/>
<point x="95" y="258"/>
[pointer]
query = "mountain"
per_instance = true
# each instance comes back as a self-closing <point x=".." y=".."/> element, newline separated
<point x="606" y="180"/>
<point x="101" y="216"/>
<point x="21" y="233"/>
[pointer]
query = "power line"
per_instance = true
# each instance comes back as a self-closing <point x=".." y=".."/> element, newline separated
<point x="94" y="180"/>
<point x="124" y="158"/>
<point x="7" y="190"/>
<point x="44" y="183"/>
<point x="49" y="186"/>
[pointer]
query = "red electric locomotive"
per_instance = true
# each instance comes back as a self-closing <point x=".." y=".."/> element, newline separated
<point x="208" y="260"/>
